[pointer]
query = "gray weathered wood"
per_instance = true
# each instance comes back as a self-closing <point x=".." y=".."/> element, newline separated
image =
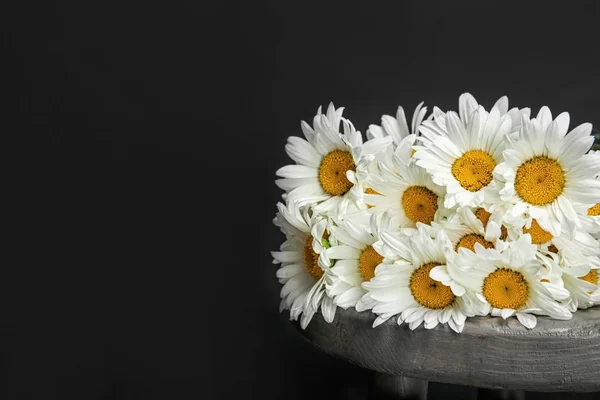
<point x="556" y="356"/>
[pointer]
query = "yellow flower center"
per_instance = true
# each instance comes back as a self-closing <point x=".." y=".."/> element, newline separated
<point x="412" y="153"/>
<point x="371" y="191"/>
<point x="311" y="260"/>
<point x="594" y="211"/>
<point x="484" y="216"/>
<point x="468" y="242"/>
<point x="540" y="180"/>
<point x="427" y="292"/>
<point x="474" y="170"/>
<point x="505" y="288"/>
<point x="419" y="204"/>
<point x="591" y="277"/>
<point x="368" y="260"/>
<point x="332" y="172"/>
<point x="538" y="235"/>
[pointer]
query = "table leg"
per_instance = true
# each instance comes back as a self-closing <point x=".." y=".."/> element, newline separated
<point x="389" y="387"/>
<point x="501" y="394"/>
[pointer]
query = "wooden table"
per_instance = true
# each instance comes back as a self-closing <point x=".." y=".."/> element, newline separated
<point x="492" y="353"/>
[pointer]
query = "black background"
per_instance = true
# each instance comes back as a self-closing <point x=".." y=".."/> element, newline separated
<point x="147" y="135"/>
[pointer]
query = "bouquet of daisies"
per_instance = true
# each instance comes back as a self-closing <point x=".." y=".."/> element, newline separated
<point x="453" y="215"/>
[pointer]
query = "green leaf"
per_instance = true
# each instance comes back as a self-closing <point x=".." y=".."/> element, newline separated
<point x="327" y="245"/>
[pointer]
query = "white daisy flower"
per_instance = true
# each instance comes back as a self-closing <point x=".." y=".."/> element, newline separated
<point x="572" y="262"/>
<point x="509" y="281"/>
<point x="325" y="163"/>
<point x="494" y="219"/>
<point x="353" y="260"/>
<point x="580" y="281"/>
<point x="462" y="155"/>
<point x="302" y="277"/>
<point x="406" y="189"/>
<point x="569" y="264"/>
<point x="546" y="172"/>
<point x="590" y="217"/>
<point x="572" y="248"/>
<point x="393" y="130"/>
<point x="551" y="275"/>
<point x="397" y="128"/>
<point x="406" y="289"/>
<point x="582" y="284"/>
<point x="467" y="105"/>
<point x="466" y="227"/>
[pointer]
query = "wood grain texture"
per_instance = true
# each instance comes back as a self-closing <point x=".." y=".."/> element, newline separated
<point x="556" y="356"/>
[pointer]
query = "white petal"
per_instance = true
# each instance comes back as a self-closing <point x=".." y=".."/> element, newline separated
<point x="343" y="252"/>
<point x="528" y="320"/>
<point x="507" y="312"/>
<point x="328" y="309"/>
<point x="302" y="152"/>
<point x="297" y="171"/>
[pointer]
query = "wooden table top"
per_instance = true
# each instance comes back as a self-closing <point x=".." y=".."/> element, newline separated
<point x="555" y="356"/>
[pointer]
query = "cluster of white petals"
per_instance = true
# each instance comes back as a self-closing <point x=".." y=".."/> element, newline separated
<point x="452" y="215"/>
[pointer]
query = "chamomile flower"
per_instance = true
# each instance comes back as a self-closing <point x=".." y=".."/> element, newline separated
<point x="467" y="105"/>
<point x="590" y="217"/>
<point x="392" y="131"/>
<point x="325" y="163"/>
<point x="573" y="262"/>
<point x="546" y="173"/>
<point x="465" y="228"/>
<point x="353" y="260"/>
<point x="406" y="289"/>
<point x="578" y="281"/>
<point x="590" y="222"/>
<point x="572" y="248"/>
<point x="461" y="155"/>
<point x="302" y="277"/>
<point x="582" y="283"/>
<point x="432" y="221"/>
<point x="509" y="281"/>
<point x="397" y="128"/>
<point x="405" y="189"/>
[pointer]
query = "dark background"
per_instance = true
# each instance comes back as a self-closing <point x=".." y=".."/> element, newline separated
<point x="147" y="135"/>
